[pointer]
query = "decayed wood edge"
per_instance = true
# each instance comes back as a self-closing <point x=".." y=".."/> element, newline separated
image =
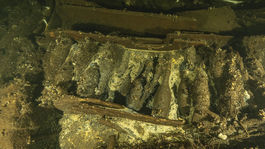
<point x="208" y="39"/>
<point x="76" y="105"/>
<point x="173" y="41"/>
<point x="98" y="102"/>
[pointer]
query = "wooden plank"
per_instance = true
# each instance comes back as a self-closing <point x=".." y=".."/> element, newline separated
<point x="72" y="104"/>
<point x="173" y="41"/>
<point x="123" y="21"/>
<point x="214" y="20"/>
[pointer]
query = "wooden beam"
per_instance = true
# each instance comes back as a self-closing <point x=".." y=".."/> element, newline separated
<point x="72" y="104"/>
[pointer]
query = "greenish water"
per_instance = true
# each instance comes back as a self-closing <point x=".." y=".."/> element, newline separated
<point x="23" y="75"/>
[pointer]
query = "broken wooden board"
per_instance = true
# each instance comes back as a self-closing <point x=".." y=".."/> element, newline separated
<point x="72" y="104"/>
<point x="173" y="41"/>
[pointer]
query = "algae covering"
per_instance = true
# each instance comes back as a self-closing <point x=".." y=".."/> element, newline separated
<point x="143" y="88"/>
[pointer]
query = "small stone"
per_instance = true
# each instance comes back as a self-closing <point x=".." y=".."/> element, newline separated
<point x="222" y="136"/>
